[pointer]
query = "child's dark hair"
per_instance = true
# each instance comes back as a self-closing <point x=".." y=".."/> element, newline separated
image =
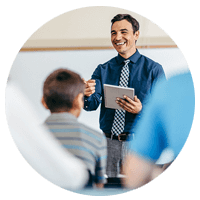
<point x="61" y="88"/>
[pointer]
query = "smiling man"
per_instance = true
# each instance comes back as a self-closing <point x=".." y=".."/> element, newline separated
<point x="140" y="72"/>
<point x="124" y="38"/>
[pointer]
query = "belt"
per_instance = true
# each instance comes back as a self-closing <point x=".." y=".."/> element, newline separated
<point x="120" y="137"/>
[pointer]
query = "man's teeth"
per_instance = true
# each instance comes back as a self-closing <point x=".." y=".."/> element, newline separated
<point x="121" y="43"/>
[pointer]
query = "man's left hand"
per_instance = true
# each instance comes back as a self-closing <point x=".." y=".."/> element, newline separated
<point x="130" y="105"/>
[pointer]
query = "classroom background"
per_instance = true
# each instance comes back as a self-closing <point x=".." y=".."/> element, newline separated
<point x="80" y="40"/>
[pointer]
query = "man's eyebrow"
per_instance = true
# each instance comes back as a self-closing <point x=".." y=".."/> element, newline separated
<point x="124" y="29"/>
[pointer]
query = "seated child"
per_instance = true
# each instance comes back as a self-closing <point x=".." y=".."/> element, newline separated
<point x="63" y="96"/>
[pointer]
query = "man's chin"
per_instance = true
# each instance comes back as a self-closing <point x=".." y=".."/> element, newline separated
<point x="121" y="51"/>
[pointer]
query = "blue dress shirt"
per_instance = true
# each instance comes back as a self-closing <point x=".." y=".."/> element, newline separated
<point x="144" y="72"/>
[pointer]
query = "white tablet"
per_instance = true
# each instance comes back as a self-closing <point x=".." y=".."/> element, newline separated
<point x="111" y="92"/>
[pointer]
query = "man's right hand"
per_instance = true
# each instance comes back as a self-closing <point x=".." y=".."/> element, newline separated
<point x="89" y="87"/>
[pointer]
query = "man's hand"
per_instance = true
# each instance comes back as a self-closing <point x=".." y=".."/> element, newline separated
<point x="132" y="106"/>
<point x="89" y="87"/>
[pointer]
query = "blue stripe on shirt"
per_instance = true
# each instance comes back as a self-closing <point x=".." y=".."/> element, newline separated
<point x="79" y="148"/>
<point x="86" y="159"/>
<point x="83" y="140"/>
<point x="102" y="158"/>
<point x="75" y="130"/>
<point x="60" y="123"/>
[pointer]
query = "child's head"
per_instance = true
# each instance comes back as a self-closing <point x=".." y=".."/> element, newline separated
<point x="63" y="91"/>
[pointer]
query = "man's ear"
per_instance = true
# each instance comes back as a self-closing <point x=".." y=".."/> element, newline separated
<point x="136" y="35"/>
<point x="44" y="103"/>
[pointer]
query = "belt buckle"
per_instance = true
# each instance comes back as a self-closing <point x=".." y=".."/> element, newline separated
<point x="119" y="137"/>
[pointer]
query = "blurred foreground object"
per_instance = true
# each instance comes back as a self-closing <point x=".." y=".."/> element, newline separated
<point x="38" y="147"/>
<point x="165" y="123"/>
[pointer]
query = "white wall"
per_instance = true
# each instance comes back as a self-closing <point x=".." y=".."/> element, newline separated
<point x="89" y="22"/>
<point x="30" y="69"/>
<point x="90" y="26"/>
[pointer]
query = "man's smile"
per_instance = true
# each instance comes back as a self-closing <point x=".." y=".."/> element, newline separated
<point x="121" y="43"/>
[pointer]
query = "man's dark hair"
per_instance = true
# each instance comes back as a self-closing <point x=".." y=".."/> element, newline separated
<point x="129" y="18"/>
<point x="61" y="88"/>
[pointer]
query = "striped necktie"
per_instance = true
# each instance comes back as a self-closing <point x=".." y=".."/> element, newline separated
<point x="119" y="118"/>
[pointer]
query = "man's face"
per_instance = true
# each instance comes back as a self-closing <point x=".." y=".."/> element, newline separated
<point x="123" y="38"/>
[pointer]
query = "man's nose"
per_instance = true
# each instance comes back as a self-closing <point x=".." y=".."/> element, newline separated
<point x="118" y="36"/>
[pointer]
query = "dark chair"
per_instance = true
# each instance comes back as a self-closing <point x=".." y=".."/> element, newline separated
<point x="114" y="183"/>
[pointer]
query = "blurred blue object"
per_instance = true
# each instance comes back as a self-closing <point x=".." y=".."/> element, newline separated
<point x="166" y="121"/>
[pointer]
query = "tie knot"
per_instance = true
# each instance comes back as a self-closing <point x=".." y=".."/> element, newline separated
<point x="126" y="62"/>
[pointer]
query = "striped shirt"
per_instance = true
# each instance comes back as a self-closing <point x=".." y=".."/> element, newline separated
<point x="82" y="141"/>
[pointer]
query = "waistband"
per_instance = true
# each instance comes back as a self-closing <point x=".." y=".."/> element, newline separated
<point x="121" y="137"/>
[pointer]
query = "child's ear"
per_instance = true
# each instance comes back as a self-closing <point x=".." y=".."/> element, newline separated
<point x="78" y="101"/>
<point x="44" y="103"/>
<point x="81" y="100"/>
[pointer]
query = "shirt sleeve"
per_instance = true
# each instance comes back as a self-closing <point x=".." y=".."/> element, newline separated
<point x="158" y="74"/>
<point x="92" y="102"/>
<point x="101" y="162"/>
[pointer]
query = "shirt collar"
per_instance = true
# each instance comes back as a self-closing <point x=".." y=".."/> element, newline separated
<point x="62" y="116"/>
<point x="134" y="58"/>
